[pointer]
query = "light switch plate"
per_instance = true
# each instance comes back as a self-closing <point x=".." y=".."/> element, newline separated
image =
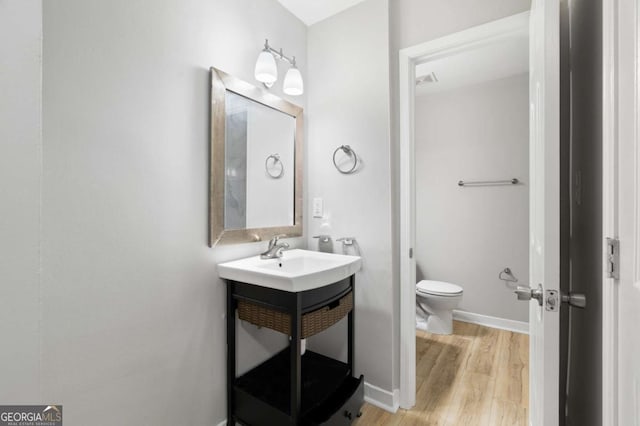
<point x="317" y="207"/>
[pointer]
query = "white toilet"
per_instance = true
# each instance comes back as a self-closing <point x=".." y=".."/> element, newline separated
<point x="435" y="302"/>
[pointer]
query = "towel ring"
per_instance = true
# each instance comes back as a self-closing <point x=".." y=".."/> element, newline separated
<point x="351" y="153"/>
<point x="270" y="171"/>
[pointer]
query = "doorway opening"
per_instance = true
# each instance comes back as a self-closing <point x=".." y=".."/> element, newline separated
<point x="471" y="157"/>
<point x="464" y="195"/>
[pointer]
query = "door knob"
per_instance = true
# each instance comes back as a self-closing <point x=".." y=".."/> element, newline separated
<point x="528" y="293"/>
<point x="555" y="298"/>
<point x="577" y="300"/>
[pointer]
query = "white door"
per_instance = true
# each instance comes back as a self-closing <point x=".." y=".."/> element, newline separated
<point x="544" y="248"/>
<point x="407" y="232"/>
<point x="627" y="404"/>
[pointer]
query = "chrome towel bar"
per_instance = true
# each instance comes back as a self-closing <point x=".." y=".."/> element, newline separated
<point x="513" y="181"/>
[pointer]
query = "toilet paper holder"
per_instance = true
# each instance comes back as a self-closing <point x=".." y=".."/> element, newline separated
<point x="507" y="275"/>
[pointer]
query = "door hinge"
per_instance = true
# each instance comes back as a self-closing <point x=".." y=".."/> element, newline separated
<point x="410" y="253"/>
<point x="613" y="258"/>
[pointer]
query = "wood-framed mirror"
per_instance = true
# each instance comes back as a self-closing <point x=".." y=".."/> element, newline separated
<point x="256" y="163"/>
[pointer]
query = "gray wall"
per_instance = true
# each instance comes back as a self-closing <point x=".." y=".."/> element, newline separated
<point x="349" y="104"/>
<point x="20" y="156"/>
<point x="129" y="312"/>
<point x="468" y="235"/>
<point x="412" y="22"/>
<point x="128" y="296"/>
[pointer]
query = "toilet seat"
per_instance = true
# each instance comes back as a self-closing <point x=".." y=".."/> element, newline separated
<point x="438" y="288"/>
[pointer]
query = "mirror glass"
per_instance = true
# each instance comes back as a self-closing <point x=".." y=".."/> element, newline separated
<point x="256" y="163"/>
<point x="259" y="165"/>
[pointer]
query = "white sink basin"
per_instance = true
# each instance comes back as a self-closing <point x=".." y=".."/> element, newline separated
<point x="297" y="270"/>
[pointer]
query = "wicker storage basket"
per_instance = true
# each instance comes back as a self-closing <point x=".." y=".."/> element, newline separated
<point x="312" y="323"/>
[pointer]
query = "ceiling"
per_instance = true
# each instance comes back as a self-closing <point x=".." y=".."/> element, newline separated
<point x="312" y="11"/>
<point x="498" y="59"/>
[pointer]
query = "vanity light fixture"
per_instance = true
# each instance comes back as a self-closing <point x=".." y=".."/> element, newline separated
<point x="266" y="71"/>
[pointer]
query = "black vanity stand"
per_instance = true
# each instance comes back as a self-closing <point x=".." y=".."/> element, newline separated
<point x="290" y="388"/>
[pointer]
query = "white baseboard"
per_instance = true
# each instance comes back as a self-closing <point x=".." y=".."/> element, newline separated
<point x="494" y="322"/>
<point x="389" y="401"/>
<point x="223" y="423"/>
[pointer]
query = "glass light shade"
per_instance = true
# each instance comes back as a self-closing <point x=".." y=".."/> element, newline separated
<point x="266" y="70"/>
<point x="293" y="84"/>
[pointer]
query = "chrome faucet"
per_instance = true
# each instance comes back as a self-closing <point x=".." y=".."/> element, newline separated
<point x="275" y="248"/>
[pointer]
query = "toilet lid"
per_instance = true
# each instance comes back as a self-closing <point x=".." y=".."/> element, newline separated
<point x="438" y="288"/>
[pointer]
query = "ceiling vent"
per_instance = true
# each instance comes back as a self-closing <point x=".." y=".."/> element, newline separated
<point x="427" y="79"/>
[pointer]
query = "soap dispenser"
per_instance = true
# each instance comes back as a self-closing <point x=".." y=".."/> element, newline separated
<point x="325" y="244"/>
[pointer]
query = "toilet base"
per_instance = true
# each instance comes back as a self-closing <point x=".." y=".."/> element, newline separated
<point x="440" y="322"/>
<point x="436" y="322"/>
<point x="421" y="324"/>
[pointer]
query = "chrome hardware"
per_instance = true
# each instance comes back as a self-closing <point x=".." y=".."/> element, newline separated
<point x="347" y="241"/>
<point x="325" y="244"/>
<point x="278" y="53"/>
<point x="513" y="181"/>
<point x="507" y="275"/>
<point x="613" y="258"/>
<point x="349" y="245"/>
<point x="273" y="241"/>
<point x="275" y="248"/>
<point x="552" y="300"/>
<point x="528" y="293"/>
<point x="577" y="300"/>
<point x="275" y="161"/>
<point x="349" y="152"/>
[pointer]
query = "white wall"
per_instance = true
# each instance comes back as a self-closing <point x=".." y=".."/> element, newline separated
<point x="20" y="155"/>
<point x="130" y="309"/>
<point x="349" y="104"/>
<point x="412" y="22"/>
<point x="467" y="235"/>
<point x="417" y="21"/>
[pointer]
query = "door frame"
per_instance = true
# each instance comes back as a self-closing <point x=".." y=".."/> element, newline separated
<point x="408" y="58"/>
<point x="626" y="32"/>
